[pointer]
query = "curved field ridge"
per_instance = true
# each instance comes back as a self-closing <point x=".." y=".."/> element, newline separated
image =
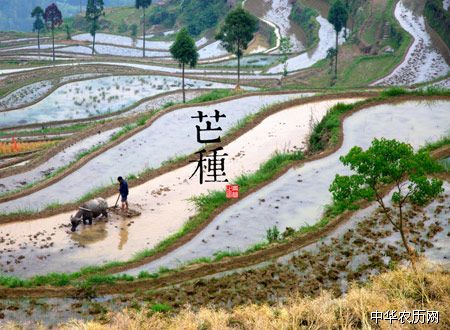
<point x="146" y="149"/>
<point x="61" y="159"/>
<point x="164" y="201"/>
<point x="279" y="13"/>
<point x="309" y="58"/>
<point x="423" y="62"/>
<point x="298" y="197"/>
<point x="88" y="98"/>
<point x="32" y="93"/>
<point x="118" y="40"/>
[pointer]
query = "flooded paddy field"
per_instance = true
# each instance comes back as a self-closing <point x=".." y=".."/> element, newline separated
<point x="160" y="199"/>
<point x="299" y="197"/>
<point x="366" y="245"/>
<point x="88" y="98"/>
<point x="63" y="158"/>
<point x="31" y="93"/>
<point x="309" y="58"/>
<point x="105" y="38"/>
<point x="423" y="62"/>
<point x="178" y="132"/>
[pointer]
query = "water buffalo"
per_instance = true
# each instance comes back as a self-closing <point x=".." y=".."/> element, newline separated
<point x="88" y="211"/>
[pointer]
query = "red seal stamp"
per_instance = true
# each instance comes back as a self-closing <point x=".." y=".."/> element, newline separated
<point x="232" y="191"/>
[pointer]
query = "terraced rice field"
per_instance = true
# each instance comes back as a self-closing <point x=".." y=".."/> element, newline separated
<point x="76" y="131"/>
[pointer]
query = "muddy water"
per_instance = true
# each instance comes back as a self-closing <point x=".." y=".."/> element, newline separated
<point x="327" y="39"/>
<point x="423" y="61"/>
<point x="172" y="135"/>
<point x="298" y="267"/>
<point x="278" y="13"/>
<point x="164" y="202"/>
<point x="149" y="68"/>
<point x="63" y="158"/>
<point x="439" y="252"/>
<point x="95" y="97"/>
<point x="30" y="93"/>
<point x="298" y="198"/>
<point x="127" y="52"/>
<point x="124" y="41"/>
<point x="212" y="50"/>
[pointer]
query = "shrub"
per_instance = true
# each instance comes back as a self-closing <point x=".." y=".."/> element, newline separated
<point x="273" y="234"/>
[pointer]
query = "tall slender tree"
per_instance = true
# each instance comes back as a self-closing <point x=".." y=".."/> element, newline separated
<point x="94" y="9"/>
<point x="338" y="17"/>
<point x="38" y="25"/>
<point x="185" y="52"/>
<point x="53" y="19"/>
<point x="236" y="33"/>
<point x="143" y="4"/>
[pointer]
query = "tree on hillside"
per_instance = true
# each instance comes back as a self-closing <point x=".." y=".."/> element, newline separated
<point x="143" y="4"/>
<point x="338" y="17"/>
<point x="185" y="52"/>
<point x="38" y="25"/>
<point x="388" y="162"/>
<point x="285" y="49"/>
<point x="94" y="9"/>
<point x="53" y="19"/>
<point x="236" y="33"/>
<point x="331" y="55"/>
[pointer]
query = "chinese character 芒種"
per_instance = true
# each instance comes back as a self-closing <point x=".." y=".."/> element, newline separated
<point x="214" y="165"/>
<point x="209" y="127"/>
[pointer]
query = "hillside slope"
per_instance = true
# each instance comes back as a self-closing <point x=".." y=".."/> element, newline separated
<point x="15" y="14"/>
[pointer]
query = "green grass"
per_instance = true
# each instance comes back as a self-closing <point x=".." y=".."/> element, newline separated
<point x="123" y="131"/>
<point x="49" y="130"/>
<point x="160" y="308"/>
<point x="214" y="95"/>
<point x="327" y="130"/>
<point x="444" y="141"/>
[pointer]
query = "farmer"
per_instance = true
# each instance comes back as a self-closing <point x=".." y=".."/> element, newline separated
<point x="123" y="190"/>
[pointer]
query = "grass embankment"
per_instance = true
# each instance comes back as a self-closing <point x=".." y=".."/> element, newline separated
<point x="325" y="135"/>
<point x="49" y="130"/>
<point x="400" y="290"/>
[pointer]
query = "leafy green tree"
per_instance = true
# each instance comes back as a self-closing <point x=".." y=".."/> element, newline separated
<point x="38" y="24"/>
<point x="285" y="49"/>
<point x="53" y="19"/>
<point x="94" y="9"/>
<point x="388" y="162"/>
<point x="185" y="52"/>
<point x="236" y="33"/>
<point x="338" y="17"/>
<point x="143" y="4"/>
